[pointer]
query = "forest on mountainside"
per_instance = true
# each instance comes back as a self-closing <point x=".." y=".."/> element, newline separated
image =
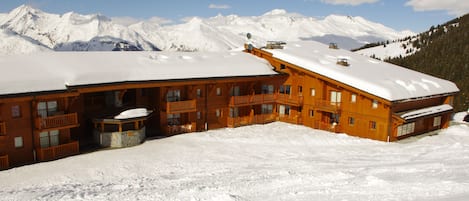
<point x="444" y="53"/>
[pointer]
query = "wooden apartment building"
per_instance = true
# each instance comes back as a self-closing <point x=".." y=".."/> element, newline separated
<point x="50" y="102"/>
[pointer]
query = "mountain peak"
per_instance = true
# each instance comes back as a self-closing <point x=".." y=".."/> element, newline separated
<point x="25" y="9"/>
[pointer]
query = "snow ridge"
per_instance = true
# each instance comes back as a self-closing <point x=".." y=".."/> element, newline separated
<point x="75" y="32"/>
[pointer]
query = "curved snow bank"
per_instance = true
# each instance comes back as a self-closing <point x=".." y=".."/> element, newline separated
<point x="276" y="161"/>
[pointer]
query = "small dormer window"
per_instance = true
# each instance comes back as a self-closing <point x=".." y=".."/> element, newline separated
<point x="333" y="46"/>
<point x="343" y="62"/>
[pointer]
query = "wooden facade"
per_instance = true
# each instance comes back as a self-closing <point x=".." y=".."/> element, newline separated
<point x="323" y="103"/>
<point x="47" y="126"/>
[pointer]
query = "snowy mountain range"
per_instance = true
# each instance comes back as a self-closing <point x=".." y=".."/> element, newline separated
<point x="36" y="30"/>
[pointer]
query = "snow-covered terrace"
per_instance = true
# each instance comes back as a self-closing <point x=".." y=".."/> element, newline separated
<point x="388" y="81"/>
<point x="57" y="70"/>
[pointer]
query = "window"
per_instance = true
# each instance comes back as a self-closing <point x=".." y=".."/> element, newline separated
<point x="218" y="113"/>
<point x="311" y="113"/>
<point x="373" y="125"/>
<point x="234" y="112"/>
<point x="374" y="105"/>
<point x="218" y="91"/>
<point x="405" y="129"/>
<point x="199" y="115"/>
<point x="18" y="142"/>
<point x="284" y="110"/>
<point x="300" y="90"/>
<point x="235" y="91"/>
<point x="199" y="93"/>
<point x="267" y="89"/>
<point x="173" y="119"/>
<point x="16" y="111"/>
<point x="49" y="138"/>
<point x="351" y="121"/>
<point x="45" y="109"/>
<point x="313" y="92"/>
<point x="353" y="98"/>
<point x="282" y="66"/>
<point x="437" y="121"/>
<point x="267" y="108"/>
<point x="173" y="95"/>
<point x="336" y="97"/>
<point x="285" y="89"/>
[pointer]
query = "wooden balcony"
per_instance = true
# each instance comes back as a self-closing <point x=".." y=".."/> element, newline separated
<point x="181" y="106"/>
<point x="289" y="99"/>
<point x="290" y="119"/>
<point x="257" y="99"/>
<point x="4" y="163"/>
<point x="327" y="106"/>
<point x="55" y="122"/>
<point x="249" y="120"/>
<point x="3" y="128"/>
<point x="179" y="129"/>
<point x="56" y="152"/>
<point x="327" y="127"/>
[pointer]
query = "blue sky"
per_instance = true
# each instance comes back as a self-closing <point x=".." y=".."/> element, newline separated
<point x="415" y="15"/>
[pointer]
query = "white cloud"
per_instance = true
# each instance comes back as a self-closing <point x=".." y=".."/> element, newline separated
<point x="126" y="21"/>
<point x="160" y="20"/>
<point x="216" y="6"/>
<point x="348" y="2"/>
<point x="453" y="7"/>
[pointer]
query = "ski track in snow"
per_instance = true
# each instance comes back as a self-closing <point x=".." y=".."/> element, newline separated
<point x="276" y="161"/>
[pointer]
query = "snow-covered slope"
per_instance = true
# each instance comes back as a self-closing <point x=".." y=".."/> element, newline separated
<point x="399" y="48"/>
<point x="277" y="161"/>
<point x="12" y="43"/>
<point x="72" y="31"/>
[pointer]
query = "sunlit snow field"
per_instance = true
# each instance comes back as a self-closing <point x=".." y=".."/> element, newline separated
<point x="276" y="161"/>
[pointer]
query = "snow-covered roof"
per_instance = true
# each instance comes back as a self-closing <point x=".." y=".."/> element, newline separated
<point x="378" y="78"/>
<point x="426" y="111"/>
<point x="57" y="70"/>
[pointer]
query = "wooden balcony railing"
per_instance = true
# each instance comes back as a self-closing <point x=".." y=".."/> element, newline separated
<point x="264" y="118"/>
<point x="3" y="128"/>
<point x="328" y="127"/>
<point x="289" y="99"/>
<point x="239" y="121"/>
<point x="249" y="120"/>
<point x="328" y="106"/>
<point x="179" y="129"/>
<point x="57" y="122"/>
<point x="56" y="152"/>
<point x="257" y="99"/>
<point x="4" y="163"/>
<point x="290" y="119"/>
<point x="181" y="106"/>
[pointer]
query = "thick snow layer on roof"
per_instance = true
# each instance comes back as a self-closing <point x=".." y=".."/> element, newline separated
<point x="57" y="70"/>
<point x="426" y="111"/>
<point x="379" y="78"/>
<point x="133" y="113"/>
